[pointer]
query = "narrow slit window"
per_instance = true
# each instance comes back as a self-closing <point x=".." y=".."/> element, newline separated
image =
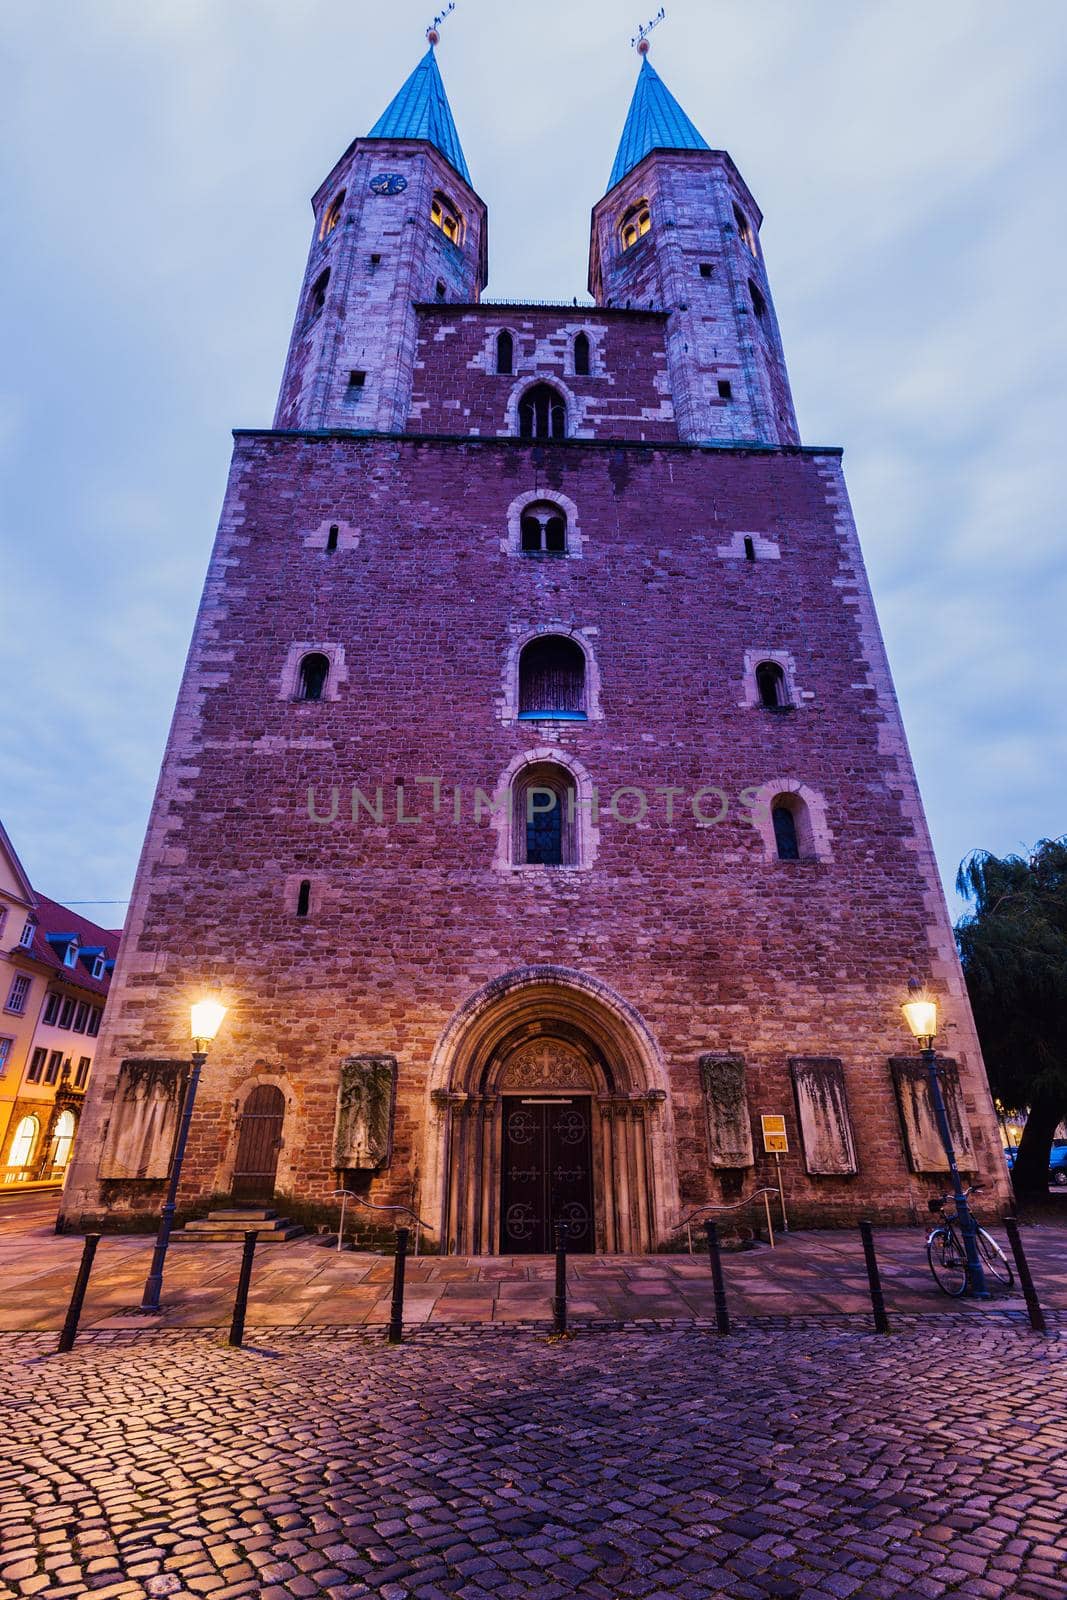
<point x="314" y="671"/>
<point x="332" y="537"/>
<point x="303" y="898"/>
<point x="582" y="355"/>
<point x="750" y="547"/>
<point x="725" y="389"/>
<point x="440" y="290"/>
<point x="505" y="352"/>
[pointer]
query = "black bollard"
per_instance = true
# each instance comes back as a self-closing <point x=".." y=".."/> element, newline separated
<point x="559" y="1299"/>
<point x="874" y="1278"/>
<point x="722" y="1310"/>
<point x="396" y="1310"/>
<point x="77" y="1299"/>
<point x="1033" y="1304"/>
<point x="240" y="1304"/>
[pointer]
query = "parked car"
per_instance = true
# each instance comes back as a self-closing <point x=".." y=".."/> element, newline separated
<point x="1057" y="1164"/>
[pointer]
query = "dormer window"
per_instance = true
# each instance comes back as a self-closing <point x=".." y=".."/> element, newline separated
<point x="27" y="934"/>
<point x="331" y="216"/>
<point x="635" y="224"/>
<point x="544" y="530"/>
<point x="447" y="217"/>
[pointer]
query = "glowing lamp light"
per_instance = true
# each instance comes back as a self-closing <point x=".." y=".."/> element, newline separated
<point x="207" y="1018"/>
<point x="921" y="1017"/>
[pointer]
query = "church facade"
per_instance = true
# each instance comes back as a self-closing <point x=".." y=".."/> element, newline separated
<point x="537" y="797"/>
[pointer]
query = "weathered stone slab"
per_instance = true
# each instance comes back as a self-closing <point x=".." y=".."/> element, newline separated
<point x="722" y="1078"/>
<point x="822" y="1112"/>
<point x="144" y="1119"/>
<point x="366" y="1097"/>
<point x="922" y="1141"/>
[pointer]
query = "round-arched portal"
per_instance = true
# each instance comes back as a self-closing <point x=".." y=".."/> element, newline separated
<point x="549" y="1103"/>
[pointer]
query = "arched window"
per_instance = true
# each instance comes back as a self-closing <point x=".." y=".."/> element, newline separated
<point x="24" y="1143"/>
<point x="542" y="413"/>
<point x="62" y="1139"/>
<point x="317" y="297"/>
<point x="635" y="224"/>
<point x="544" y="530"/>
<point x="759" y="304"/>
<point x="771" y="686"/>
<point x="744" y="230"/>
<point x="331" y="216"/>
<point x="794" y="836"/>
<point x="447" y="217"/>
<point x="505" y="352"/>
<point x="544" y="820"/>
<point x="314" y="671"/>
<point x="552" y="680"/>
<point x="303" y="898"/>
<point x="582" y="364"/>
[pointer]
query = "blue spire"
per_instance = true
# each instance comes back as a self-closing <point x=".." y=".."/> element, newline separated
<point x="421" y="111"/>
<point x="655" y="122"/>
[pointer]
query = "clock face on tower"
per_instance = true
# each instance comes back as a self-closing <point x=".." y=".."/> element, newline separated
<point x="388" y="183"/>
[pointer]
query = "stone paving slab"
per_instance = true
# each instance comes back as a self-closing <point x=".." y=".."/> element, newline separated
<point x="794" y="1460"/>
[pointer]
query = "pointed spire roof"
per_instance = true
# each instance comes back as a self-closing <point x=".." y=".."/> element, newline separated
<point x="655" y="122"/>
<point x="421" y="111"/>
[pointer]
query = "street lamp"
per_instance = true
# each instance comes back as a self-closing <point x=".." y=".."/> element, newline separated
<point x="920" y="1013"/>
<point x="206" y="1018"/>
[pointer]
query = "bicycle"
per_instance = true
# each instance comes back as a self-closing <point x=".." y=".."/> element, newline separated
<point x="947" y="1253"/>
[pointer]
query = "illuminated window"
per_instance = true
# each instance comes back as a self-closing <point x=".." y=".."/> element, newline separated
<point x="635" y="224"/>
<point x="331" y="216"/>
<point x="447" y="217"/>
<point x="5" y="1052"/>
<point x="62" y="1139"/>
<point x="744" y="230"/>
<point x="544" y="530"/>
<point x="542" y="413"/>
<point x="24" y="1143"/>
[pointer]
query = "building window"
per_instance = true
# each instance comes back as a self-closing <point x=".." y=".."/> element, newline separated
<point x="70" y="955"/>
<point x="725" y="389"/>
<point x="317" y="297"/>
<point x="314" y="671"/>
<point x="552" y="680"/>
<point x="331" y="216"/>
<point x="303" y="898"/>
<point x="635" y="224"/>
<point x="356" y="382"/>
<point x="544" y="805"/>
<point x="20" y="993"/>
<point x="440" y="290"/>
<point x="51" y="1008"/>
<point x="505" y="352"/>
<point x="3" y="918"/>
<point x="36" y="1066"/>
<point x="793" y="834"/>
<point x="81" y="1077"/>
<point x="771" y="687"/>
<point x="5" y="1053"/>
<point x="55" y="1063"/>
<point x="706" y="269"/>
<point x="544" y="530"/>
<point x="582" y="355"/>
<point x="62" y="1139"/>
<point x="24" y="1143"/>
<point x="99" y="968"/>
<point x="447" y="217"/>
<point x="81" y="1017"/>
<point x="542" y="413"/>
<point x="27" y="935"/>
<point x="759" y="304"/>
<point x="66" y="1015"/>
<point x="744" y="231"/>
<point x="94" y="1022"/>
<point x="332" y="538"/>
<point x="750" y="547"/>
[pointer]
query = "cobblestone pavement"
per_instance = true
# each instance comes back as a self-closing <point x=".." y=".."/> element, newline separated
<point x="813" y="1460"/>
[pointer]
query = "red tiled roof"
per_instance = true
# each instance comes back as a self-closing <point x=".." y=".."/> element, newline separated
<point x="54" y="918"/>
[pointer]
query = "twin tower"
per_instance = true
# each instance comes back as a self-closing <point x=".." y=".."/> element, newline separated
<point x="537" y="798"/>
<point x="400" y="241"/>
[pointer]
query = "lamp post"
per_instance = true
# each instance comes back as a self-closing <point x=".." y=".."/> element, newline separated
<point x="206" y="1017"/>
<point x="920" y="1012"/>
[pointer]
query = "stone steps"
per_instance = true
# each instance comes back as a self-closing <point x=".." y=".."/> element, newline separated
<point x="230" y="1227"/>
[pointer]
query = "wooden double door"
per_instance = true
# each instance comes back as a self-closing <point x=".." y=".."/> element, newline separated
<point x="547" y="1174"/>
<point x="259" y="1139"/>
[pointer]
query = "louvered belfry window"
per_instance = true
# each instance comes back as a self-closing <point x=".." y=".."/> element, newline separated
<point x="552" y="679"/>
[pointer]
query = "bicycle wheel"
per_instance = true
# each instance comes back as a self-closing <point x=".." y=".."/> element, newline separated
<point x="994" y="1260"/>
<point x="947" y="1261"/>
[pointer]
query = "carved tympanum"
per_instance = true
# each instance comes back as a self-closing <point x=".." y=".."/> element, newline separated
<point x="546" y="1064"/>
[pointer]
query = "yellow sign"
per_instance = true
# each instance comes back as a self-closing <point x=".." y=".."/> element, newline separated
<point x="775" y="1138"/>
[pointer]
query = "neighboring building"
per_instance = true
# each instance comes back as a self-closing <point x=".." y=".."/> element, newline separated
<point x="56" y="972"/>
<point x="561" y="583"/>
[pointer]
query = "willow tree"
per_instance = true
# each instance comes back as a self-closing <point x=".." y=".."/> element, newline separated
<point x="1013" y="945"/>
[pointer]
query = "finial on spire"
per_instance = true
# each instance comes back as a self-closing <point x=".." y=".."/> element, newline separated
<point x="433" y="32"/>
<point x="640" y="41"/>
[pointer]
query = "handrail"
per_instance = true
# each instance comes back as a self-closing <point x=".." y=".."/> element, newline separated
<point x="736" y="1205"/>
<point x="350" y="1194"/>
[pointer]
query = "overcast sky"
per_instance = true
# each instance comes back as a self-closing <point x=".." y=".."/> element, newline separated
<point x="156" y="162"/>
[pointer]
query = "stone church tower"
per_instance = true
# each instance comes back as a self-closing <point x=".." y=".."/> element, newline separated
<point x="537" y="797"/>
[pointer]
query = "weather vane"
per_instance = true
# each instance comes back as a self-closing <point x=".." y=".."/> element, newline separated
<point x="433" y="32"/>
<point x="639" y="42"/>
